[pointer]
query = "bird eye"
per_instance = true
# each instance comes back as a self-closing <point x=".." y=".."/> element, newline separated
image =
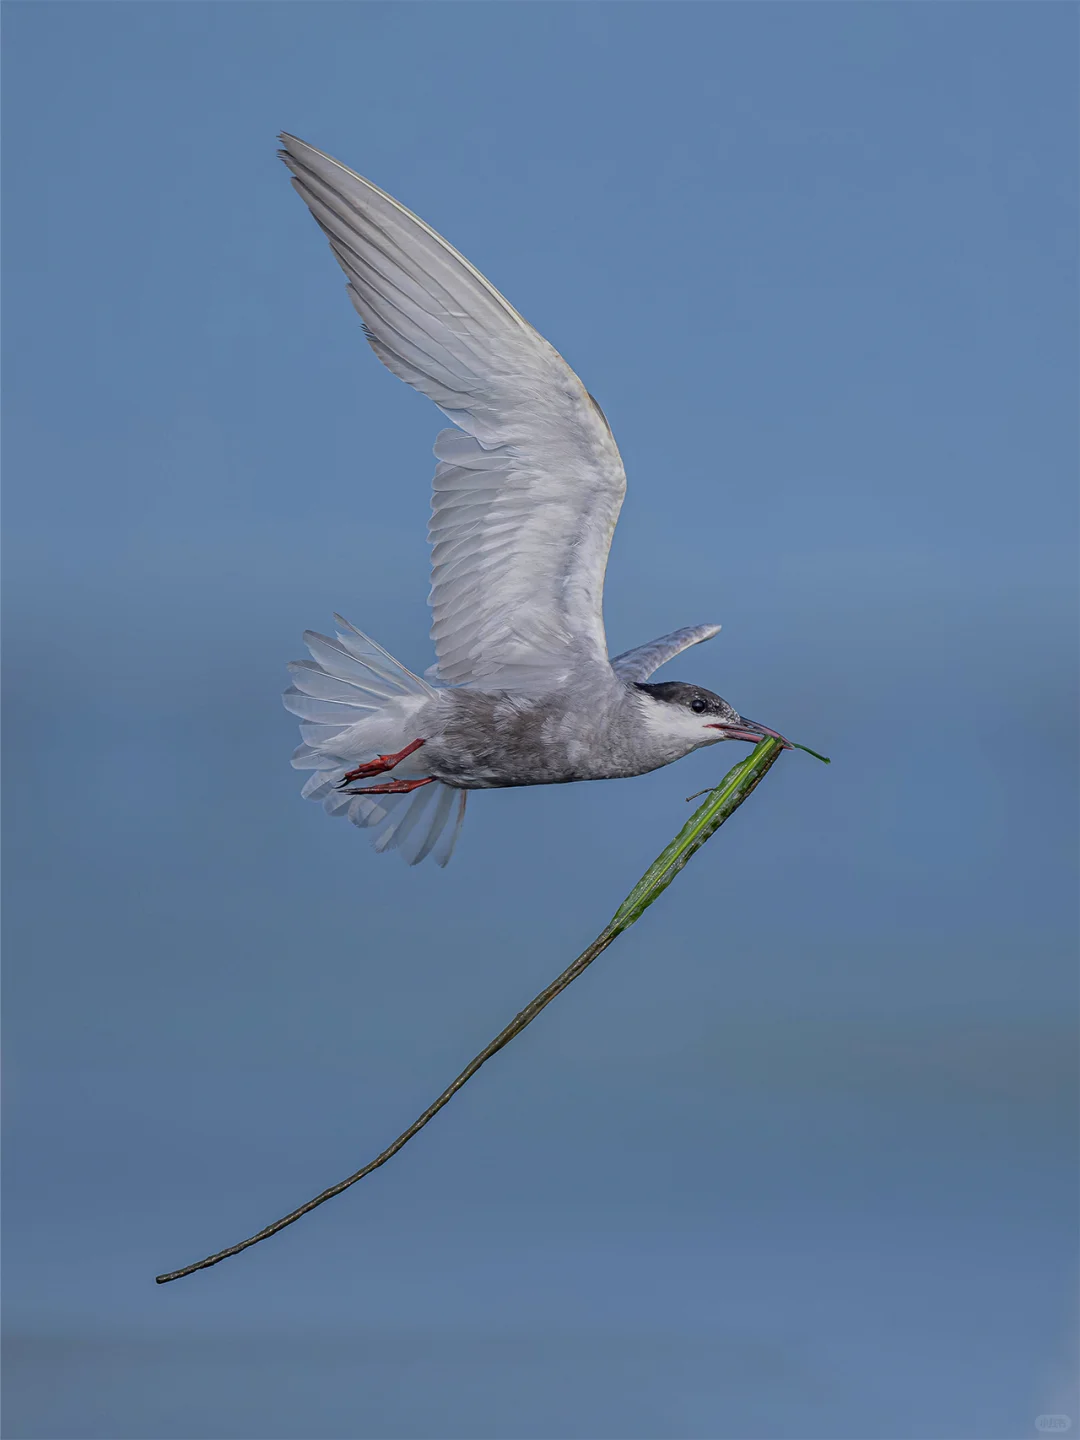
<point x="698" y="706"/>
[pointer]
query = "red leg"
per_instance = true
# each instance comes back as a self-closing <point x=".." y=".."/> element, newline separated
<point x="377" y="766"/>
<point x="393" y="787"/>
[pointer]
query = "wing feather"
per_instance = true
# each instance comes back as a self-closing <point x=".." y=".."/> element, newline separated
<point x="639" y="663"/>
<point x="529" y="488"/>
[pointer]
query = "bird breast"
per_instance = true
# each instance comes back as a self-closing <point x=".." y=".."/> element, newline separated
<point x="486" y="739"/>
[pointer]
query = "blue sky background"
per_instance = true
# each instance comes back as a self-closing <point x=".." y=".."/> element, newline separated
<point x="798" y="1157"/>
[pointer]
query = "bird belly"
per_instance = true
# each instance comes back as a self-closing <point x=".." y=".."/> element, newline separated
<point x="490" y="741"/>
<point x="493" y="766"/>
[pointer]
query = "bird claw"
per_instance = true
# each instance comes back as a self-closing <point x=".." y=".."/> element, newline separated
<point x="378" y="766"/>
<point x="391" y="787"/>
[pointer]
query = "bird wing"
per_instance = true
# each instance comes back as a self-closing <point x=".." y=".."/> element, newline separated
<point x="526" y="500"/>
<point x="639" y="663"/>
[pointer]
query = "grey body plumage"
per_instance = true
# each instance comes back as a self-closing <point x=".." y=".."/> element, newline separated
<point x="480" y="740"/>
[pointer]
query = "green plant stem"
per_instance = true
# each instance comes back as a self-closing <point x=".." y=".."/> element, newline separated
<point x="736" y="785"/>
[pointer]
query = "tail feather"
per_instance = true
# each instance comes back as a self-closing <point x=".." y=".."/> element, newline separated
<point x="403" y="820"/>
<point x="345" y="688"/>
<point x="320" y="783"/>
<point x="311" y="679"/>
<point x="416" y="825"/>
<point x="372" y="655"/>
<point x="335" y="659"/>
<point x="315" y="736"/>
<point x="443" y="840"/>
<point x="339" y="713"/>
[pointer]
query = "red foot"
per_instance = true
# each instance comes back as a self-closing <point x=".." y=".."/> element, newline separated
<point x="393" y="787"/>
<point x="377" y="766"/>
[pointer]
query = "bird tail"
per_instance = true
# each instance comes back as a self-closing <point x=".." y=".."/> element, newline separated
<point x="355" y="701"/>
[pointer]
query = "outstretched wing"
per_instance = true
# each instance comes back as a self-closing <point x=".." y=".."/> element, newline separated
<point x="526" y="500"/>
<point x="639" y="664"/>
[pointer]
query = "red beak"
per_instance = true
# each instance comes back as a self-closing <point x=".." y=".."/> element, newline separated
<point x="752" y="731"/>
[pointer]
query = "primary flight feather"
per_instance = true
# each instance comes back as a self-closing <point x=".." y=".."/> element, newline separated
<point x="526" y="496"/>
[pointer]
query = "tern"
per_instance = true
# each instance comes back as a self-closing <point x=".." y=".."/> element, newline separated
<point x="527" y="492"/>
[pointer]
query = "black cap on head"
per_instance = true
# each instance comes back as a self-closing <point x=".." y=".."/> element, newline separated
<point x="691" y="697"/>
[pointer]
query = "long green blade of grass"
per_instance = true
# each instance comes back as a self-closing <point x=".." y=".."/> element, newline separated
<point x="722" y="803"/>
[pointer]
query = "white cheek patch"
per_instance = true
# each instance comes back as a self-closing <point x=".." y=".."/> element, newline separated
<point x="672" y="723"/>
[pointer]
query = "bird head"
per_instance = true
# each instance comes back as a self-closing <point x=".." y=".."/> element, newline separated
<point x="697" y="717"/>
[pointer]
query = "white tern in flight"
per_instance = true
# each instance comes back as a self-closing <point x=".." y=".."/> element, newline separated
<point x="526" y="495"/>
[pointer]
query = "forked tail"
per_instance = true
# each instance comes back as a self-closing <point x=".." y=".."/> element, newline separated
<point x="355" y="702"/>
